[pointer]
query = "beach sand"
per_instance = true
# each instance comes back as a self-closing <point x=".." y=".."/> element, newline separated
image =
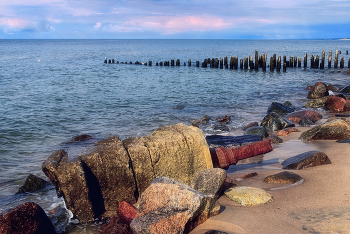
<point x="320" y="204"/>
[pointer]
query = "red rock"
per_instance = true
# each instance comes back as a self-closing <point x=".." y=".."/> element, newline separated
<point x="335" y="104"/>
<point x="126" y="212"/>
<point x="224" y="157"/>
<point x="226" y="119"/>
<point x="286" y="131"/>
<point x="296" y="116"/>
<point x="28" y="218"/>
<point x="116" y="226"/>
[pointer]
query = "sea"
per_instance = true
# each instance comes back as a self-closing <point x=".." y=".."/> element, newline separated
<point x="54" y="90"/>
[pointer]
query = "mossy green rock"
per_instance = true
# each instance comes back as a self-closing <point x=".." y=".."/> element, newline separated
<point x="249" y="196"/>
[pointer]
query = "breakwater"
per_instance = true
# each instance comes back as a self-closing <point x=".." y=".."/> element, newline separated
<point x="259" y="62"/>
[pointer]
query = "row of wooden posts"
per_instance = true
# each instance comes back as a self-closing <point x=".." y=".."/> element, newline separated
<point x="260" y="62"/>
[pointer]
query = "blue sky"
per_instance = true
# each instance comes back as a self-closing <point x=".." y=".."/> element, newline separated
<point x="190" y="19"/>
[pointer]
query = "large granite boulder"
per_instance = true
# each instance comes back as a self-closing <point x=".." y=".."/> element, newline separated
<point x="335" y="104"/>
<point x="275" y="122"/>
<point x="297" y="116"/>
<point x="305" y="160"/>
<point x="319" y="90"/>
<point x="279" y="108"/>
<point x="169" y="206"/>
<point x="116" y="170"/>
<point x="334" y="130"/>
<point x="28" y="218"/>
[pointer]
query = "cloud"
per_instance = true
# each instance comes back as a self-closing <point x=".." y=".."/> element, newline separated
<point x="97" y="25"/>
<point x="16" y="23"/>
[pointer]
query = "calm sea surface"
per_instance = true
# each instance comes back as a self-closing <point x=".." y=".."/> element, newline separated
<point x="53" y="90"/>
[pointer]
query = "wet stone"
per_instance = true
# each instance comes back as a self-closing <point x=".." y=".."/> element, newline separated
<point x="249" y="196"/>
<point x="279" y="108"/>
<point x="83" y="137"/>
<point x="33" y="184"/>
<point x="275" y="139"/>
<point x="215" y="232"/>
<point x="305" y="160"/>
<point x="287" y="131"/>
<point x="259" y="130"/>
<point x="285" y="177"/>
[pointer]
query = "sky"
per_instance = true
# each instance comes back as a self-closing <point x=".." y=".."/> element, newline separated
<point x="175" y="19"/>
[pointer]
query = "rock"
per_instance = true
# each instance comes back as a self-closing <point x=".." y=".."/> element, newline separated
<point x="169" y="206"/>
<point x="318" y="91"/>
<point x="305" y="122"/>
<point x="83" y="137"/>
<point x="249" y="196"/>
<point x="285" y="177"/>
<point x="310" y="87"/>
<point x="275" y="122"/>
<point x="347" y="106"/>
<point x="209" y="181"/>
<point x="32" y="184"/>
<point x="126" y="212"/>
<point x="345" y="140"/>
<point x="220" y="127"/>
<point x="215" y="232"/>
<point x="108" y="141"/>
<point x="334" y="130"/>
<point x="224" y="157"/>
<point x="227" y="184"/>
<point x="260" y="131"/>
<point x="116" y="226"/>
<point x="296" y="116"/>
<point x="287" y="103"/>
<point x="202" y="121"/>
<point x="335" y="104"/>
<point x="332" y="88"/>
<point x="317" y="103"/>
<point x="254" y="124"/>
<point x="287" y="131"/>
<point x="275" y="139"/>
<point x="220" y="140"/>
<point x="341" y="115"/>
<point x="279" y="108"/>
<point x="345" y="90"/>
<point x="305" y="160"/>
<point x="250" y="175"/>
<point x="27" y="218"/>
<point x="225" y="119"/>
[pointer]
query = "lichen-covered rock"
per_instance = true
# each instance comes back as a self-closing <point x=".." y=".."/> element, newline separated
<point x="319" y="90"/>
<point x="296" y="116"/>
<point x="279" y="108"/>
<point x="209" y="181"/>
<point x="259" y="130"/>
<point x="249" y="196"/>
<point x="28" y="218"/>
<point x="32" y="184"/>
<point x="275" y="122"/>
<point x="334" y="130"/>
<point x="284" y="177"/>
<point x="317" y="103"/>
<point x="169" y="206"/>
<point x="305" y="160"/>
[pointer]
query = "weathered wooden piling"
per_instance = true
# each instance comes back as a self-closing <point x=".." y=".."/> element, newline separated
<point x="216" y="63"/>
<point x="251" y="63"/>
<point x="231" y="62"/>
<point x="279" y="64"/>
<point x="178" y="62"/>
<point x="330" y="59"/>
<point x="342" y="62"/>
<point x="245" y="63"/>
<point x="299" y="62"/>
<point x="264" y="63"/>
<point x="256" y="61"/>
<point x="336" y="59"/>
<point x="317" y="61"/>
<point x="149" y="63"/>
<point x="161" y="64"/>
<point x="197" y="63"/>
<point x="349" y="63"/>
<point x="295" y="61"/>
<point x="312" y="60"/>
<point x="305" y="60"/>
<point x="112" y="60"/>
<point x="221" y="63"/>
<point x="235" y="64"/>
<point x="205" y="63"/>
<point x="347" y="52"/>
<point x="109" y="61"/>
<point x="323" y="59"/>
<point x="157" y="64"/>
<point x="291" y="61"/>
<point x="272" y="64"/>
<point x="284" y="67"/>
<point x="241" y="63"/>
<point x="225" y="61"/>
<point x="189" y="62"/>
<point x="260" y="60"/>
<point x="172" y="62"/>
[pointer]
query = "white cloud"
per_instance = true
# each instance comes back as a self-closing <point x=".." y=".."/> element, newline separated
<point x="97" y="25"/>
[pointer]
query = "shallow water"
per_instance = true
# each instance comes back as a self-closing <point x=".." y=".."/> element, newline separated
<point x="53" y="90"/>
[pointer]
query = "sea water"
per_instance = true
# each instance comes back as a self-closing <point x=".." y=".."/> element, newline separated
<point x="53" y="90"/>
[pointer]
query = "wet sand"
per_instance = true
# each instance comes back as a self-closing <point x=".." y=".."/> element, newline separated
<point x="320" y="204"/>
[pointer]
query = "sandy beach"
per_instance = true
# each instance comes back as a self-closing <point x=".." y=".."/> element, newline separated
<point x="320" y="204"/>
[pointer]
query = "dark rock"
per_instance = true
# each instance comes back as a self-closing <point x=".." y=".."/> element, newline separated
<point x="317" y="103"/>
<point x="32" y="184"/>
<point x="215" y="232"/>
<point x="202" y="121"/>
<point x="275" y="122"/>
<point x="219" y="140"/>
<point x="332" y="88"/>
<point x="28" y="218"/>
<point x="345" y="140"/>
<point x="296" y="116"/>
<point x="305" y="160"/>
<point x="345" y="90"/>
<point x="318" y="91"/>
<point x="250" y="175"/>
<point x="335" y="104"/>
<point x="260" y="131"/>
<point x="287" y="103"/>
<point x="209" y="181"/>
<point x="126" y="212"/>
<point x="116" y="226"/>
<point x="334" y="130"/>
<point x="287" y="131"/>
<point x="254" y="124"/>
<point x="221" y="127"/>
<point x="225" y="119"/>
<point x="224" y="157"/>
<point x="305" y="122"/>
<point x="341" y="115"/>
<point x="279" y="108"/>
<point x="83" y="137"/>
<point x="169" y="206"/>
<point x="275" y="139"/>
<point x="285" y="177"/>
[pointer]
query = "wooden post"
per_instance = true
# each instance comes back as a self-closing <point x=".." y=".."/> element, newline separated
<point x="279" y="64"/>
<point x="205" y="63"/>
<point x="342" y="62"/>
<point x="347" y="52"/>
<point x="197" y="63"/>
<point x="264" y="63"/>
<point x="178" y="62"/>
<point x="256" y="60"/>
<point x="209" y="61"/>
<point x="221" y="63"/>
<point x="312" y="61"/>
<point x="172" y="62"/>
<point x="295" y="61"/>
<point x="112" y="60"/>
<point x="260" y="60"/>
<point x="157" y="64"/>
<point x="271" y="64"/>
<point x="330" y="59"/>
<point x="284" y="67"/>
<point x="189" y="62"/>
<point x="149" y="63"/>
<point x="349" y="63"/>
<point x="317" y="61"/>
<point x="336" y="59"/>
<point x="235" y="59"/>
<point x="245" y="63"/>
<point x="212" y="65"/>
<point x="291" y="61"/>
<point x="299" y="62"/>
<point x="323" y="59"/>
<point x="305" y="60"/>
<point x="109" y="61"/>
<point x="251" y="63"/>
<point x="231" y="62"/>
<point x="184" y="64"/>
<point x="241" y="64"/>
<point x="161" y="64"/>
<point x="105" y="60"/>
<point x="225" y="61"/>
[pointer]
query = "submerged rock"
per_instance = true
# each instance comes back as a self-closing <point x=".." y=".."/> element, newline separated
<point x="32" y="184"/>
<point x="202" y="121"/>
<point x="305" y="160"/>
<point x="275" y="122"/>
<point x="279" y="108"/>
<point x="28" y="218"/>
<point x="285" y="177"/>
<point x="334" y="130"/>
<point x="275" y="139"/>
<point x="249" y="196"/>
<point x="83" y="137"/>
<point x="259" y="130"/>
<point x="319" y="90"/>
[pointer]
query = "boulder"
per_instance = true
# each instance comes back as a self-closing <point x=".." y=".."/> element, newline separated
<point x="275" y="122"/>
<point x="116" y="226"/>
<point x="209" y="181"/>
<point x="305" y="122"/>
<point x="275" y="139"/>
<point x="296" y="116"/>
<point x="224" y="157"/>
<point x="285" y="177"/>
<point x="287" y="131"/>
<point x="28" y="218"/>
<point x="225" y="119"/>
<point x="305" y="160"/>
<point x="279" y="108"/>
<point x="32" y="184"/>
<point x="202" y="121"/>
<point x="249" y="196"/>
<point x="332" y="88"/>
<point x="318" y="91"/>
<point x="335" y="104"/>
<point x="334" y="130"/>
<point x="317" y="103"/>
<point x="259" y="130"/>
<point x="169" y="206"/>
<point x="83" y="137"/>
<point x="254" y="124"/>
<point x="345" y="90"/>
<point x="126" y="212"/>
